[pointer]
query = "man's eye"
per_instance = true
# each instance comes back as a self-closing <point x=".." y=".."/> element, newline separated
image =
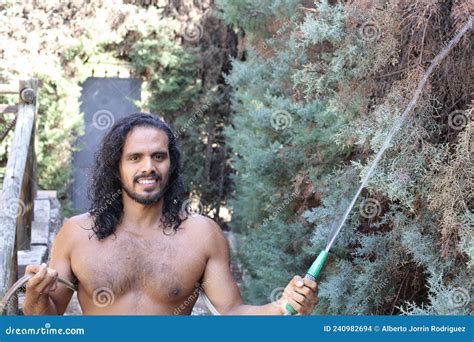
<point x="134" y="157"/>
<point x="159" y="157"/>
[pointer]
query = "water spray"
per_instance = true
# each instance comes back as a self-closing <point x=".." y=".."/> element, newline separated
<point x="318" y="264"/>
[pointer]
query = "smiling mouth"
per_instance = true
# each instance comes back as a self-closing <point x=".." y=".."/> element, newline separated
<point x="147" y="180"/>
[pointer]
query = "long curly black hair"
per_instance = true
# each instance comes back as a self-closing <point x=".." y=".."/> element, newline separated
<point x="105" y="189"/>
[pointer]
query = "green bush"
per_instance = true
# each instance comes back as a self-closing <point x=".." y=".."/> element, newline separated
<point x="311" y="111"/>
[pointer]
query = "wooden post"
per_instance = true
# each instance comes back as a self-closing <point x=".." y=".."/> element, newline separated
<point x="28" y="185"/>
<point x="11" y="207"/>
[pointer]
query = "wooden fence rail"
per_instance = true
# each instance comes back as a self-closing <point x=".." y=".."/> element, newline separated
<point x="10" y="88"/>
<point x="19" y="186"/>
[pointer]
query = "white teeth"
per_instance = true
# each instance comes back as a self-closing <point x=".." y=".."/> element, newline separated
<point x="147" y="181"/>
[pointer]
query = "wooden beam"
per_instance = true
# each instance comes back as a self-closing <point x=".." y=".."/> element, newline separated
<point x="10" y="88"/>
<point x="4" y="108"/>
<point x="10" y="205"/>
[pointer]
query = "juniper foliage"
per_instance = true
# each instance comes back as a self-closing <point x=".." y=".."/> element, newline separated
<point x="313" y="104"/>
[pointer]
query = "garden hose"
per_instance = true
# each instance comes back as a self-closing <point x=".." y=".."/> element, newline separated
<point x="19" y="284"/>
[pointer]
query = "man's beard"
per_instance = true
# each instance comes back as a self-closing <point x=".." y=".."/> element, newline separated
<point x="145" y="200"/>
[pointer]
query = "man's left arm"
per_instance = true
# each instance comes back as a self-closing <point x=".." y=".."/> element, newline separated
<point x="221" y="288"/>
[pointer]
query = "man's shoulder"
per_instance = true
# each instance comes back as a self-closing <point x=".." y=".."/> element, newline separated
<point x="76" y="227"/>
<point x="202" y="221"/>
<point x="82" y="220"/>
<point x="74" y="232"/>
<point x="207" y="230"/>
<point x="201" y="224"/>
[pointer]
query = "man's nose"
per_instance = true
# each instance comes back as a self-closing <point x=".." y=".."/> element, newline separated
<point x="148" y="166"/>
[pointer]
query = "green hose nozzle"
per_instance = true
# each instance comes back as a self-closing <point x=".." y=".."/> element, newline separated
<point x="312" y="274"/>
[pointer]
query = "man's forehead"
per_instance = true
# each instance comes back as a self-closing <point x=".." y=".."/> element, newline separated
<point x="143" y="138"/>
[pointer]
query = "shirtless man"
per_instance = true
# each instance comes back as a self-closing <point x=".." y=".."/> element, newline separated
<point x="134" y="252"/>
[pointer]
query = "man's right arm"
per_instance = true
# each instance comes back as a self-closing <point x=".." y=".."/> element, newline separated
<point x="44" y="294"/>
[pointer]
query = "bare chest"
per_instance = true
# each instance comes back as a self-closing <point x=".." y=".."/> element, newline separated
<point x="165" y="270"/>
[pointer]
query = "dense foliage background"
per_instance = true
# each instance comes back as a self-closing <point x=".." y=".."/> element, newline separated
<point x="314" y="98"/>
<point x="280" y="107"/>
